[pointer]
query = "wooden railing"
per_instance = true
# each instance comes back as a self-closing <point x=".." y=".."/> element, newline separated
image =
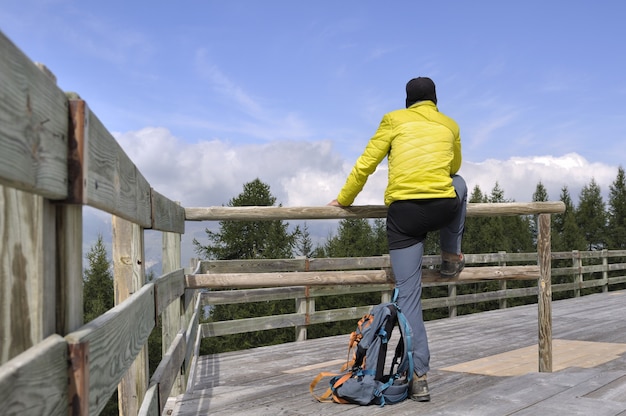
<point x="541" y="271"/>
<point x="56" y="158"/>
<point x="574" y="278"/>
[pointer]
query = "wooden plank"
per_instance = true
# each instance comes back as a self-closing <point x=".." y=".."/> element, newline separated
<point x="615" y="390"/>
<point x="129" y="276"/>
<point x="265" y="213"/>
<point x="114" y="339"/>
<point x="76" y="152"/>
<point x="471" y="298"/>
<point x="49" y="278"/>
<point x="567" y="354"/>
<point x="317" y="291"/>
<point x="350" y="263"/>
<point x="167" y="215"/>
<point x="574" y="400"/>
<point x="211" y="329"/>
<point x="244" y="280"/>
<point x="355" y="312"/>
<point x="169" y="288"/>
<point x="169" y="368"/>
<point x="344" y="263"/>
<point x="33" y="126"/>
<point x="276" y="379"/>
<point x="170" y="307"/>
<point x="486" y="273"/>
<point x="150" y="403"/>
<point x="69" y="297"/>
<point x="249" y="280"/>
<point x="193" y="338"/>
<point x="21" y="271"/>
<point x="252" y="266"/>
<point x="112" y="183"/>
<point x="545" y="295"/>
<point x="227" y="297"/>
<point x="34" y="382"/>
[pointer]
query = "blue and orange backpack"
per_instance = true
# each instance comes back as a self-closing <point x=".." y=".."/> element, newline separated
<point x="363" y="379"/>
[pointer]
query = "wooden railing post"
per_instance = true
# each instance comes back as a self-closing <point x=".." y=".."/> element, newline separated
<point x="578" y="264"/>
<point x="304" y="306"/>
<point x="605" y="270"/>
<point x="503" y="301"/>
<point x="172" y="317"/>
<point x="452" y="309"/>
<point x="129" y="276"/>
<point x="545" y="294"/>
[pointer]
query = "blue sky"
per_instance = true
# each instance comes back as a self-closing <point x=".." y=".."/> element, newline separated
<point x="208" y="95"/>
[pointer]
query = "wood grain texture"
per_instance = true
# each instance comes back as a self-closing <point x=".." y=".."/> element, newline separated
<point x="265" y="213"/>
<point x="167" y="215"/>
<point x="112" y="182"/>
<point x="33" y="126"/>
<point x="21" y="271"/>
<point x="169" y="368"/>
<point x="276" y="379"/>
<point x="115" y="339"/>
<point x="34" y="383"/>
<point x="544" y="299"/>
<point x="349" y="277"/>
<point x="169" y="288"/>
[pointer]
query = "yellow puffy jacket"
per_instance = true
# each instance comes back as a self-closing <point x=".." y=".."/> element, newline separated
<point x="424" y="150"/>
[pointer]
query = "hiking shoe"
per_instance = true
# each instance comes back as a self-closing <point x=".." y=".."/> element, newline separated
<point x="419" y="389"/>
<point x="451" y="264"/>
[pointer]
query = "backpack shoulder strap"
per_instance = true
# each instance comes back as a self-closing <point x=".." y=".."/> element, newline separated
<point x="327" y="396"/>
<point x="406" y="359"/>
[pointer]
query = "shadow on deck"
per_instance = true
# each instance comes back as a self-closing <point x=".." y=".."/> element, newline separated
<point x="482" y="364"/>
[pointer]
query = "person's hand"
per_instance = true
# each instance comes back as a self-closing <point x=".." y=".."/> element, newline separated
<point x="335" y="203"/>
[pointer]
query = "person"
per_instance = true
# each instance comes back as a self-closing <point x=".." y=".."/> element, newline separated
<point x="424" y="193"/>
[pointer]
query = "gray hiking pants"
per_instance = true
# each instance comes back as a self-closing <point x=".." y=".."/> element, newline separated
<point x="407" y="268"/>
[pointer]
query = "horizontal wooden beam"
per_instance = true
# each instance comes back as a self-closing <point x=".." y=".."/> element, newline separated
<point x="33" y="126"/>
<point x="113" y="341"/>
<point x="251" y="280"/>
<point x="259" y="213"/>
<point x="35" y="381"/>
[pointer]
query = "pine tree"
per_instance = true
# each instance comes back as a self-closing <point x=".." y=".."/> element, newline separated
<point x="249" y="240"/>
<point x="540" y="195"/>
<point x="98" y="295"/>
<point x="616" y="230"/>
<point x="354" y="238"/>
<point x="475" y="226"/>
<point x="304" y="245"/>
<point x="566" y="235"/>
<point x="379" y="231"/>
<point x="591" y="216"/>
<point x="493" y="234"/>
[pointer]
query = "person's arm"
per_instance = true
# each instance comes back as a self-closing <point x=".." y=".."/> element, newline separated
<point x="375" y="151"/>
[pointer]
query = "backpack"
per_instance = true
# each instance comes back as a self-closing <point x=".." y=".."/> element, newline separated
<point x="363" y="379"/>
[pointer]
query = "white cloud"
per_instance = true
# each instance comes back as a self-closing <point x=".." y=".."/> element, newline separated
<point x="300" y="173"/>
<point x="303" y="173"/>
<point x="518" y="176"/>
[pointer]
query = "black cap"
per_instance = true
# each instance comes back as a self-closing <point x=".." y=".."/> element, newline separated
<point x="420" y="89"/>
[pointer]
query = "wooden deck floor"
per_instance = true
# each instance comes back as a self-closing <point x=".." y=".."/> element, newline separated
<point x="482" y="364"/>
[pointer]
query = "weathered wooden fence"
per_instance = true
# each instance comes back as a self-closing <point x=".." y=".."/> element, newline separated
<point x="56" y="157"/>
<point x="575" y="278"/>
